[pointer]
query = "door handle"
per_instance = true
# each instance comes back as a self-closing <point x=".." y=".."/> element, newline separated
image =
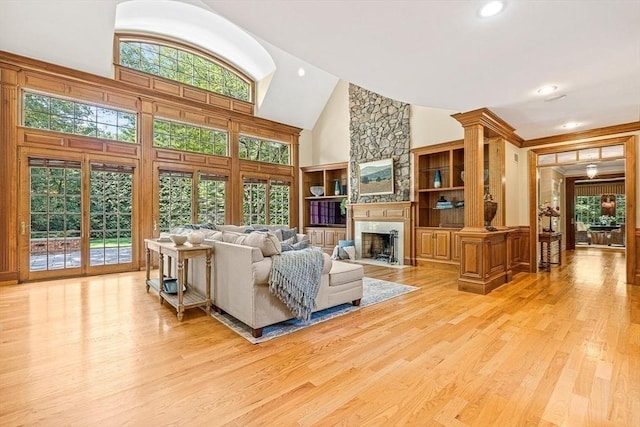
<point x="155" y="225"/>
<point x="23" y="226"/>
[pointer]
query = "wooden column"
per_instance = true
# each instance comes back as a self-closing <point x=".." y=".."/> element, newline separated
<point x="474" y="184"/>
<point x="484" y="255"/>
<point x="9" y="228"/>
<point x="496" y="178"/>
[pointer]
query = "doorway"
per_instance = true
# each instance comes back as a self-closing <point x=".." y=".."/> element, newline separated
<point x="583" y="153"/>
<point x="77" y="216"/>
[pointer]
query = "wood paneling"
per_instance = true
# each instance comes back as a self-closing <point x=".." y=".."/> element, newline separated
<point x="135" y="92"/>
<point x="484" y="263"/>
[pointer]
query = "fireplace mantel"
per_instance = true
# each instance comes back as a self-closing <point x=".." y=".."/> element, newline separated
<point x="387" y="212"/>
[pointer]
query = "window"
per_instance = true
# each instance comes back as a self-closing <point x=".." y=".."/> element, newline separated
<point x="589" y="209"/>
<point x="266" y="202"/>
<point x="110" y="214"/>
<point x="184" y="67"/>
<point x="279" y="203"/>
<point x="211" y="198"/>
<point x="175" y="199"/>
<point x="254" y="209"/>
<point x="180" y="136"/>
<point x="261" y="150"/>
<point x="61" y="115"/>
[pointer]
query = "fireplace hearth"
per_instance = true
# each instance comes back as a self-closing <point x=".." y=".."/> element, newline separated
<point x="380" y="246"/>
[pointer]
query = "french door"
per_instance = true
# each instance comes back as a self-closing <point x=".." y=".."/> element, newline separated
<point x="77" y="216"/>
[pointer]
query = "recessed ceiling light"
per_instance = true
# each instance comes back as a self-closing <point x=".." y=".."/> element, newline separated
<point x="546" y="90"/>
<point x="491" y="8"/>
<point x="301" y="72"/>
<point x="571" y="125"/>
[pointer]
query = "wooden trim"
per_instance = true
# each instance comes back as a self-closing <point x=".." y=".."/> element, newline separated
<point x="444" y="146"/>
<point x="585" y="134"/>
<point x="67" y="75"/>
<point x="575" y="146"/>
<point x="630" y="172"/>
<point x="489" y="120"/>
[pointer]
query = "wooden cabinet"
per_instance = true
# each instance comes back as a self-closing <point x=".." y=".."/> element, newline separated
<point x="439" y="196"/>
<point x="433" y="244"/>
<point x="326" y="237"/>
<point x="323" y="217"/>
<point x="456" y="246"/>
<point x="439" y="185"/>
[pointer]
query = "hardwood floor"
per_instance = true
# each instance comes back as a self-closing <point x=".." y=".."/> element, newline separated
<point x="559" y="348"/>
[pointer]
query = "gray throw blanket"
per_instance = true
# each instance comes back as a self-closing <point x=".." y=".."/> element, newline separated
<point x="295" y="279"/>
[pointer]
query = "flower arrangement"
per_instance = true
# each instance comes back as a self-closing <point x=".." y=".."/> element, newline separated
<point x="546" y="209"/>
<point x="607" y="220"/>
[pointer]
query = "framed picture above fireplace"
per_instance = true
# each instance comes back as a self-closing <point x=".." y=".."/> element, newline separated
<point x="376" y="177"/>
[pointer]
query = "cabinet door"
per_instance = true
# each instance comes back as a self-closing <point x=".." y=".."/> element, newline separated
<point x="340" y="235"/>
<point x="425" y="243"/>
<point x="317" y="238"/>
<point x="456" y="246"/>
<point x="442" y="245"/>
<point x="330" y="240"/>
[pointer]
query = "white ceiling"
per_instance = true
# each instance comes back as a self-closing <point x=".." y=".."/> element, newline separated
<point x="433" y="53"/>
<point x="440" y="54"/>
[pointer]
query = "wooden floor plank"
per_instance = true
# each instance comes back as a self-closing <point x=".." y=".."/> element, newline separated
<point x="557" y="348"/>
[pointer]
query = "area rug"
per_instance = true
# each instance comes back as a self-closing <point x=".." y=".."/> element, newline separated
<point x="373" y="292"/>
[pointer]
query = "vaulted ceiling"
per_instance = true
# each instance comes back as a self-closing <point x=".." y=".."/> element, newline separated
<point x="435" y="53"/>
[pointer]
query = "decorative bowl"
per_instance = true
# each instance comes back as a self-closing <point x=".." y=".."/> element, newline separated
<point x="195" y="238"/>
<point x="178" y="239"/>
<point x="317" y="190"/>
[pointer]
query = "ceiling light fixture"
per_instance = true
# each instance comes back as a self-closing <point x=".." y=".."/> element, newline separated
<point x="592" y="171"/>
<point x="546" y="90"/>
<point x="571" y="125"/>
<point x="301" y="72"/>
<point x="492" y="8"/>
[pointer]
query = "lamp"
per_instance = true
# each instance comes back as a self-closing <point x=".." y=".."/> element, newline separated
<point x="592" y="171"/>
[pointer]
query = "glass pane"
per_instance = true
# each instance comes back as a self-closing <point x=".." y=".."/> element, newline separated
<point x="567" y="157"/>
<point x="613" y="151"/>
<point x="546" y="159"/>
<point x="589" y="154"/>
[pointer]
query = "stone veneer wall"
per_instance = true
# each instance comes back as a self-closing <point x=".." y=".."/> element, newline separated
<point x="379" y="129"/>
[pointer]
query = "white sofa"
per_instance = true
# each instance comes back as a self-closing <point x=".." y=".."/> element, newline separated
<point x="241" y="286"/>
<point x="240" y="279"/>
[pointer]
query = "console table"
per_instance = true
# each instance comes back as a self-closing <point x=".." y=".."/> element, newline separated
<point x="181" y="254"/>
<point x="546" y="239"/>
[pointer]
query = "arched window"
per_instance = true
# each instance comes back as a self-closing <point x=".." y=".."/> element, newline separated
<point x="190" y="67"/>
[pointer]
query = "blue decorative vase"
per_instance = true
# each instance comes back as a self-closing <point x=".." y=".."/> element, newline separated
<point x="437" y="180"/>
<point x="337" y="188"/>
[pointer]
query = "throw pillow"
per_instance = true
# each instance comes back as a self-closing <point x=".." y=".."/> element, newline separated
<point x="288" y="233"/>
<point x="351" y="251"/>
<point x="268" y="243"/>
<point x="345" y="243"/>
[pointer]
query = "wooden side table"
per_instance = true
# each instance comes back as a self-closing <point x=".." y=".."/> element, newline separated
<point x="181" y="254"/>
<point x="546" y="239"/>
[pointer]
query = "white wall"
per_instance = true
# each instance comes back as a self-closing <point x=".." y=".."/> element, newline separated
<point x="514" y="204"/>
<point x="431" y="126"/>
<point x="331" y="135"/>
